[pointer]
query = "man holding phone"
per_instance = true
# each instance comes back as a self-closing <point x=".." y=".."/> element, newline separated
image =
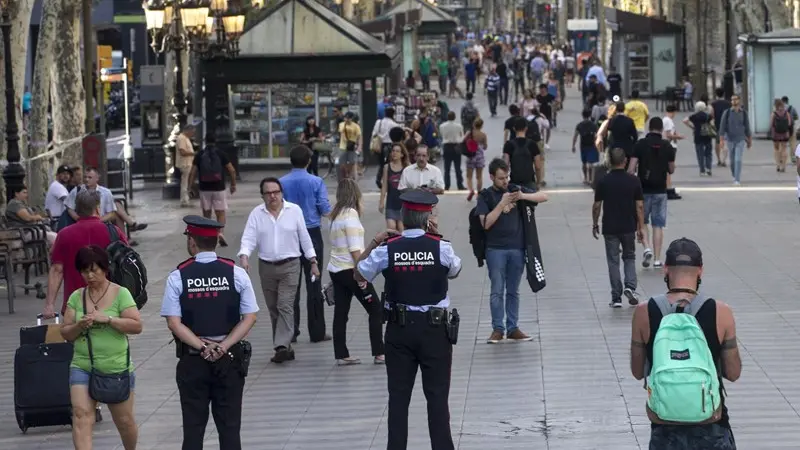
<point x="422" y="175"/>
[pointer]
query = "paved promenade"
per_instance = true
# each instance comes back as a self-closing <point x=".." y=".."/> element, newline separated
<point x="569" y="389"/>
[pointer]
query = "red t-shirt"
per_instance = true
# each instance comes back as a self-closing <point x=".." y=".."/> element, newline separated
<point x="86" y="231"/>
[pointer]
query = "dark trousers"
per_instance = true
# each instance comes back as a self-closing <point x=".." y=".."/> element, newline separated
<point x="313" y="168"/>
<point x="383" y="158"/>
<point x="443" y="84"/>
<point x="314" y="301"/>
<point x="200" y="382"/>
<point x="519" y="87"/>
<point x="471" y="85"/>
<point x="344" y="288"/>
<point x="452" y="157"/>
<point x="426" y="82"/>
<point x="492" y="95"/>
<point x="504" y="91"/>
<point x="621" y="245"/>
<point x="418" y="344"/>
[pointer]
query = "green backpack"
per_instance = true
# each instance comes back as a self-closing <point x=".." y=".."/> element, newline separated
<point x="683" y="384"/>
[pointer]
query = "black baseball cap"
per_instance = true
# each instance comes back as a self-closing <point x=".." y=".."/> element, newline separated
<point x="684" y="252"/>
<point x="64" y="169"/>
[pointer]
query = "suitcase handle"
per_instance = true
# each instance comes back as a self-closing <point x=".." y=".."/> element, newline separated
<point x="40" y="318"/>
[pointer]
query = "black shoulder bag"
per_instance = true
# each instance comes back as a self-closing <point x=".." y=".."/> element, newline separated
<point x="110" y="388"/>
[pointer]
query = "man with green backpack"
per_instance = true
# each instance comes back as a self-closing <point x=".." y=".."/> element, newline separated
<point x="684" y="343"/>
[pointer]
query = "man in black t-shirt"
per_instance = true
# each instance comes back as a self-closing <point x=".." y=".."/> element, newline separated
<point x="508" y="127"/>
<point x="622" y="130"/>
<point x="720" y="105"/>
<point x="209" y="166"/>
<point x="586" y="131"/>
<point x="522" y="155"/>
<point x="545" y="101"/>
<point x="653" y="158"/>
<point x="614" y="83"/>
<point x="619" y="195"/>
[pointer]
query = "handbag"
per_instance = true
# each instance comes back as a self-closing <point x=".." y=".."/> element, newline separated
<point x="111" y="388"/>
<point x="349" y="146"/>
<point x="377" y="143"/>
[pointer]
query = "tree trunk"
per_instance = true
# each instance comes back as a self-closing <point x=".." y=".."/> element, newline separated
<point x="39" y="176"/>
<point x="780" y="15"/>
<point x="20" y="30"/>
<point x="68" y="97"/>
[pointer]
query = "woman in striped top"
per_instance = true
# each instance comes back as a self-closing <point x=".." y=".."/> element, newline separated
<point x="347" y="243"/>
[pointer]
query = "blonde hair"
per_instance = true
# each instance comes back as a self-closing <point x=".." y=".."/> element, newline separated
<point x="348" y="195"/>
<point x="778" y="103"/>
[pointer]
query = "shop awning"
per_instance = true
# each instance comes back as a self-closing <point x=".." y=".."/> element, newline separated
<point x="429" y="12"/>
<point x="307" y="28"/>
<point x="785" y="36"/>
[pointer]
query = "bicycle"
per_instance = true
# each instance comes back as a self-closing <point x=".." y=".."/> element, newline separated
<point x="329" y="154"/>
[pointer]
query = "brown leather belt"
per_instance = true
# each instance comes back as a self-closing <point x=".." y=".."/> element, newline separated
<point x="279" y="262"/>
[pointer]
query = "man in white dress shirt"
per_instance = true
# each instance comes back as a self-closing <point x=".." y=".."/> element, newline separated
<point x="278" y="230"/>
<point x="422" y="175"/>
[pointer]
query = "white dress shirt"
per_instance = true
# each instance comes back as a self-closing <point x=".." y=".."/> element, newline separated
<point x="451" y="132"/>
<point x="277" y="238"/>
<point x="382" y="128"/>
<point x="413" y="177"/>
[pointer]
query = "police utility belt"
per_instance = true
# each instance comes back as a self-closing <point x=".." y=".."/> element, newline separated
<point x="238" y="355"/>
<point x="400" y="314"/>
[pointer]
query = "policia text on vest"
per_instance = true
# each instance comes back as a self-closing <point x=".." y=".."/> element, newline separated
<point x="210" y="306"/>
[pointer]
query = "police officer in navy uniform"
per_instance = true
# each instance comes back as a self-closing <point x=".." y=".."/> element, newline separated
<point x="416" y="266"/>
<point x="210" y="307"/>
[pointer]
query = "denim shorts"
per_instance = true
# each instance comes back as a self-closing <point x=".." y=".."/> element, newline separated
<point x="81" y="377"/>
<point x="655" y="210"/>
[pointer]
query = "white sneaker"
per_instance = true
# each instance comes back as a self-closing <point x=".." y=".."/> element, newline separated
<point x="647" y="257"/>
<point x="736" y="183"/>
<point x="547" y="146"/>
<point x="658" y="264"/>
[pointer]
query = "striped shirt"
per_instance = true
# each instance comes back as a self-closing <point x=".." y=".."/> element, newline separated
<point x="347" y="235"/>
<point x="492" y="82"/>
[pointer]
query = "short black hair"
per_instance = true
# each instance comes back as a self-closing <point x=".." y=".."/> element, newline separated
<point x="469" y="95"/>
<point x="520" y="124"/>
<point x="620" y="107"/>
<point x="656" y="124"/>
<point x="389" y="112"/>
<point x="635" y="93"/>
<point x="269" y="180"/>
<point x="720" y="92"/>
<point x="785" y="99"/>
<point x="300" y="156"/>
<point x="601" y="98"/>
<point x="91" y="255"/>
<point x="497" y="164"/>
<point x="617" y="156"/>
<point x="513" y="110"/>
<point x="16" y="189"/>
<point x="543" y="86"/>
<point x="672" y="108"/>
<point x="586" y="113"/>
<point x="397" y="134"/>
<point x="451" y="115"/>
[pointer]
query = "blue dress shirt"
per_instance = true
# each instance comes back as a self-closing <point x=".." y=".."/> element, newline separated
<point x="309" y="193"/>
<point x="171" y="304"/>
<point x="598" y="72"/>
<point x="378" y="261"/>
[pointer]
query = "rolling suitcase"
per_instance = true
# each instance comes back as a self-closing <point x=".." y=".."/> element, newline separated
<point x="41" y="380"/>
<point x="41" y="333"/>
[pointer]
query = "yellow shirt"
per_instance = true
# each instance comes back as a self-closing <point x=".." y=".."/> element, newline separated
<point x="348" y="133"/>
<point x="638" y="112"/>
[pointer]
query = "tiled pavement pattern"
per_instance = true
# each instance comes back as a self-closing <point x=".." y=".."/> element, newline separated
<point x="569" y="389"/>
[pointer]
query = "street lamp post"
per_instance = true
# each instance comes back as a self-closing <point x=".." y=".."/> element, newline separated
<point x="14" y="173"/>
<point x="207" y="27"/>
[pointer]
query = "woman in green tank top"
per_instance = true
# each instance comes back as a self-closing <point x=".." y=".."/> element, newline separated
<point x="109" y="317"/>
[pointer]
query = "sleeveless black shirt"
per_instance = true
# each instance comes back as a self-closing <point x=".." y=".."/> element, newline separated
<point x="707" y="318"/>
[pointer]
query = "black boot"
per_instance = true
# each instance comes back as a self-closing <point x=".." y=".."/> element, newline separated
<point x="672" y="195"/>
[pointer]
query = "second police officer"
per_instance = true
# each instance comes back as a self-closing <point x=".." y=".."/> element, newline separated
<point x="420" y="331"/>
<point x="210" y="306"/>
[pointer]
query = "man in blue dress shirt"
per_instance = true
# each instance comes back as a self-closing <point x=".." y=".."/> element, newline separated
<point x="416" y="266"/>
<point x="309" y="192"/>
<point x="210" y="306"/>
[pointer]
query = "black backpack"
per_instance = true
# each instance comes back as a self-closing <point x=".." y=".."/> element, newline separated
<point x="126" y="267"/>
<point x="781" y="123"/>
<point x="477" y="234"/>
<point x="210" y="166"/>
<point x="533" y="132"/>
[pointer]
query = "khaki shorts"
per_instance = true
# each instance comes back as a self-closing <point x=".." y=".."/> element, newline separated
<point x="213" y="200"/>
